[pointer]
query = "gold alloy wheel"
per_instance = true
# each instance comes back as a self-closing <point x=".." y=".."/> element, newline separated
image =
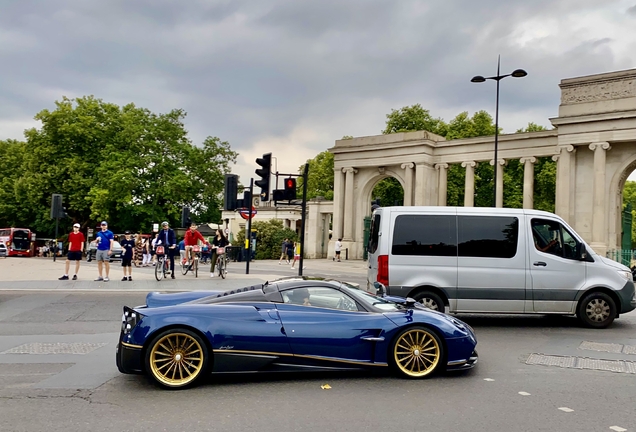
<point x="417" y="352"/>
<point x="176" y="359"/>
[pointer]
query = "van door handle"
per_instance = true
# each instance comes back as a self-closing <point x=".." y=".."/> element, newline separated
<point x="539" y="264"/>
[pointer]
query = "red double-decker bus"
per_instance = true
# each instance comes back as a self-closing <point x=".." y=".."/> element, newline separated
<point x="17" y="241"/>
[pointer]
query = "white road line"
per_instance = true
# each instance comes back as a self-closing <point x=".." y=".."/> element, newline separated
<point x="488" y="379"/>
<point x="524" y="393"/>
<point x="617" y="429"/>
<point x="566" y="409"/>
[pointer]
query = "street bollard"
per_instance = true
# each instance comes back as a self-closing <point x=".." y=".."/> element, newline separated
<point x="346" y="254"/>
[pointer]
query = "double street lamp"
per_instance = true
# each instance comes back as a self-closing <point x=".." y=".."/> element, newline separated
<point x="518" y="73"/>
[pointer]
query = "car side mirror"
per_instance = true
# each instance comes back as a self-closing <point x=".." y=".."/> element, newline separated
<point x="380" y="289"/>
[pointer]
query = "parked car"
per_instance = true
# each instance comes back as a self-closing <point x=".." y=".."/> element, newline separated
<point x="3" y="251"/>
<point x="115" y="256"/>
<point x="495" y="260"/>
<point x="293" y="324"/>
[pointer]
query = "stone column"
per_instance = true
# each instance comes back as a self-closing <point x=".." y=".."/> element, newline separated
<point x="442" y="184"/>
<point x="469" y="188"/>
<point x="338" y="203"/>
<point x="420" y="185"/>
<point x="599" y="226"/>
<point x="564" y="181"/>
<point x="500" y="183"/>
<point x="408" y="187"/>
<point x="348" y="204"/>
<point x="528" y="181"/>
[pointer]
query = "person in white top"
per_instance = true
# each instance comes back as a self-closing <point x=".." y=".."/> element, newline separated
<point x="337" y="249"/>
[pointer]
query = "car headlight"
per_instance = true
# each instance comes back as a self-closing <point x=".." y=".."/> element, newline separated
<point x="460" y="325"/>
<point x="129" y="320"/>
<point x="625" y="274"/>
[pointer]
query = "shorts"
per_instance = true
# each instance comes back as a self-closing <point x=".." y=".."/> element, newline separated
<point x="74" y="256"/>
<point x="126" y="262"/>
<point x="102" y="255"/>
<point x="337" y="252"/>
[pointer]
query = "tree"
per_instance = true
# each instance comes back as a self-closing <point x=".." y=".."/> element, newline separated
<point x="412" y="118"/>
<point x="123" y="164"/>
<point x="269" y="238"/>
<point x="320" y="176"/>
<point x="532" y="127"/>
<point x="629" y="197"/>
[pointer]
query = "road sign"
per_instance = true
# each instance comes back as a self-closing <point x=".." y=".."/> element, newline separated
<point x="245" y="213"/>
<point x="256" y="201"/>
<point x="155" y="227"/>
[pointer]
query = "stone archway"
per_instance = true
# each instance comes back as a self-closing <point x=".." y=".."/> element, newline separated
<point x="593" y="143"/>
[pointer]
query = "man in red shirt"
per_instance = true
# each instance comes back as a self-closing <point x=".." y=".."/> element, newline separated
<point x="75" y="247"/>
<point x="191" y="238"/>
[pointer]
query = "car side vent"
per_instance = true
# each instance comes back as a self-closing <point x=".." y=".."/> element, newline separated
<point x="250" y="288"/>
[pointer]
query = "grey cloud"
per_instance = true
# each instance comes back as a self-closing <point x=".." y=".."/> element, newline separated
<point x="632" y="11"/>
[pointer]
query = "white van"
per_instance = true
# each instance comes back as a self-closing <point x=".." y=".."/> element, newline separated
<point x="495" y="260"/>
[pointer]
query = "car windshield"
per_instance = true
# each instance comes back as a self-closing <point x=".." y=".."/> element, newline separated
<point x="372" y="300"/>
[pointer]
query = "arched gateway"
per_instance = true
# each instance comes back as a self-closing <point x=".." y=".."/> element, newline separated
<point x="594" y="144"/>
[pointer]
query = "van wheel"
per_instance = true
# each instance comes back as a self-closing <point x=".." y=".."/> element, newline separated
<point x="597" y="310"/>
<point x="430" y="300"/>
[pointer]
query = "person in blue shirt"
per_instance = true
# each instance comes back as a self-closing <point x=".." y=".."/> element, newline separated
<point x="104" y="240"/>
<point x="182" y="251"/>
<point x="168" y="239"/>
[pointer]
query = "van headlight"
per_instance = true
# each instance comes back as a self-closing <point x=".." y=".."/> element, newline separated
<point x="625" y="274"/>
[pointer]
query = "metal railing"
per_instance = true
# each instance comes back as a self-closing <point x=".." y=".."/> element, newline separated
<point x="623" y="256"/>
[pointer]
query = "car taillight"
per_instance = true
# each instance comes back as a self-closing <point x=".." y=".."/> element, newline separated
<point x="383" y="269"/>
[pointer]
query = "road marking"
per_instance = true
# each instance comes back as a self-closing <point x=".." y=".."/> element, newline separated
<point x="488" y="379"/>
<point x="617" y="429"/>
<point x="566" y="409"/>
<point x="524" y="393"/>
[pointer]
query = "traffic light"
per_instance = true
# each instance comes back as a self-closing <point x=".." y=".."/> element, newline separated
<point x="246" y="201"/>
<point x="185" y="217"/>
<point x="56" y="205"/>
<point x="231" y="189"/>
<point x="63" y="213"/>
<point x="290" y="188"/>
<point x="264" y="173"/>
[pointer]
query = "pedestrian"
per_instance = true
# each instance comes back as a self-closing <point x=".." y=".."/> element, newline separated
<point x="168" y="239"/>
<point x="283" y="252"/>
<point x="289" y="249"/>
<point x="337" y="249"/>
<point x="296" y="249"/>
<point x="182" y="252"/>
<point x="219" y="241"/>
<point x="128" y="247"/>
<point x="153" y="249"/>
<point x="104" y="241"/>
<point x="146" y="252"/>
<point x="75" y="247"/>
<point x="139" y="254"/>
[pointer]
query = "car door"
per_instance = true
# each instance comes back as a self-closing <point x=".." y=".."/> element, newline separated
<point x="325" y="323"/>
<point x="555" y="271"/>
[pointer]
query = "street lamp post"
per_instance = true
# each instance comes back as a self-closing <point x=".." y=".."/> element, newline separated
<point x="518" y="73"/>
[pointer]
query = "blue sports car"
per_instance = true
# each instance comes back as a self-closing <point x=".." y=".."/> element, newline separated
<point x="289" y="324"/>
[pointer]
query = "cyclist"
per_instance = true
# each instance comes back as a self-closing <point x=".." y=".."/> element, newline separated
<point x="191" y="239"/>
<point x="168" y="239"/>
<point x="219" y="241"/>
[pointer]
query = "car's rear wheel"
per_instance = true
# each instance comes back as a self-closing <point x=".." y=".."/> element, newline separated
<point x="177" y="358"/>
<point x="430" y="300"/>
<point x="597" y="310"/>
<point x="417" y="352"/>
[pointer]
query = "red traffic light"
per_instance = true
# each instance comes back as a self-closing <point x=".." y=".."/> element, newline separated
<point x="290" y="183"/>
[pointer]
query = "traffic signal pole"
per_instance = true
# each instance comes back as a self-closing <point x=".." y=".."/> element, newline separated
<point x="57" y="222"/>
<point x="303" y="220"/>
<point x="248" y="236"/>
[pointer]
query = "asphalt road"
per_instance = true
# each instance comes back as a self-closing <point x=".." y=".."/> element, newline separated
<point x="79" y="392"/>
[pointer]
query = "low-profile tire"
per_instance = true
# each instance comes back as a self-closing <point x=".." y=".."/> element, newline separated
<point x="430" y="300"/>
<point x="596" y="310"/>
<point x="177" y="358"/>
<point x="416" y="352"/>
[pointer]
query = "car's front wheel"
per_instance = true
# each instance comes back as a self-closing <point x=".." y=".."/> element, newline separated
<point x="417" y="352"/>
<point x="177" y="358"/>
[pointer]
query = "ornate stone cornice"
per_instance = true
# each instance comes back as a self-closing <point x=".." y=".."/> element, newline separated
<point x="600" y="145"/>
<point x="408" y="165"/>
<point x="604" y="89"/>
<point x="440" y="166"/>
<point x="471" y="164"/>
<point x="530" y="159"/>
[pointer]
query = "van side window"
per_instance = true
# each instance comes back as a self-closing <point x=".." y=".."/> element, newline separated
<point x="434" y="235"/>
<point x="373" y="235"/>
<point x="488" y="236"/>
<point x="551" y="237"/>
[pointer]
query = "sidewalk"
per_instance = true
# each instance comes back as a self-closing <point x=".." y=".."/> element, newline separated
<point x="43" y="273"/>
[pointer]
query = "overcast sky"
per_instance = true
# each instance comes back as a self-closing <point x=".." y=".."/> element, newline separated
<point x="292" y="76"/>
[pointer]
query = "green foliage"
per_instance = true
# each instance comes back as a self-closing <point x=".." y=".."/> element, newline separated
<point x="389" y="191"/>
<point x="532" y="127"/>
<point x="320" y="176"/>
<point x="412" y="118"/>
<point x="269" y="238"/>
<point x="123" y="164"/>
<point x="629" y="197"/>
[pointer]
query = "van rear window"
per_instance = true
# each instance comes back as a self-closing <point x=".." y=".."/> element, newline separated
<point x="488" y="236"/>
<point x="428" y="235"/>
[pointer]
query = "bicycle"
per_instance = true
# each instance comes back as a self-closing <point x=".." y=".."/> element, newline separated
<point x="221" y="262"/>
<point x="194" y="265"/>
<point x="162" y="264"/>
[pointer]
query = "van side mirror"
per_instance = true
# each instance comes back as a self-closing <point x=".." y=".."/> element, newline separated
<point x="380" y="289"/>
<point x="581" y="252"/>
